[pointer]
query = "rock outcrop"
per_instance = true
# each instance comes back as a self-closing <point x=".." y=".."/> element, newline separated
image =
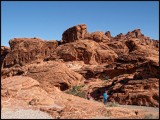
<point x="23" y="91"/>
<point x="4" y="51"/>
<point x="98" y="37"/>
<point x="82" y="50"/>
<point x="108" y="34"/>
<point x="26" y="50"/>
<point x="74" y="33"/>
<point x="128" y="91"/>
<point x="50" y="74"/>
<point x="88" y="51"/>
<point x="54" y="74"/>
<point x="135" y="92"/>
<point x="79" y="32"/>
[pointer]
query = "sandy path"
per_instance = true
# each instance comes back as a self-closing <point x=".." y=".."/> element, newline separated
<point x="148" y="109"/>
<point x="24" y="114"/>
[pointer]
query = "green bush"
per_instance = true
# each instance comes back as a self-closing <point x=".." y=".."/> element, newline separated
<point x="76" y="90"/>
<point x="104" y="83"/>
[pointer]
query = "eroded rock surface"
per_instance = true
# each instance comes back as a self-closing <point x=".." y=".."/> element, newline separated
<point x="4" y="51"/>
<point x="57" y="74"/>
<point x="136" y="92"/>
<point x="74" y="33"/>
<point x="26" y="50"/>
<point x="20" y="91"/>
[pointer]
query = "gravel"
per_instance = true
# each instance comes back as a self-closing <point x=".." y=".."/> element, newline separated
<point x="24" y="114"/>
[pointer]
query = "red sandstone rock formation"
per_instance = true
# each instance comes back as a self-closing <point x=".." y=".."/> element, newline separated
<point x="4" y="51"/>
<point x="128" y="91"/>
<point x="19" y="91"/>
<point x="57" y="74"/>
<point x="74" y="33"/>
<point x="108" y="34"/>
<point x="84" y="50"/>
<point x="79" y="32"/>
<point x="95" y="56"/>
<point x="136" y="92"/>
<point x="98" y="37"/>
<point x="26" y="50"/>
<point x="79" y="50"/>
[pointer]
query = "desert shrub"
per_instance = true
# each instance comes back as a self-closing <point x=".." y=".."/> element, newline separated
<point x="81" y="94"/>
<point x="112" y="104"/>
<point x="76" y="90"/>
<point x="104" y="83"/>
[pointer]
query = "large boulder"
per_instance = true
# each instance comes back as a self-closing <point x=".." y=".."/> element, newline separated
<point x="74" y="33"/>
<point x="26" y="50"/>
<point x="81" y="50"/>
